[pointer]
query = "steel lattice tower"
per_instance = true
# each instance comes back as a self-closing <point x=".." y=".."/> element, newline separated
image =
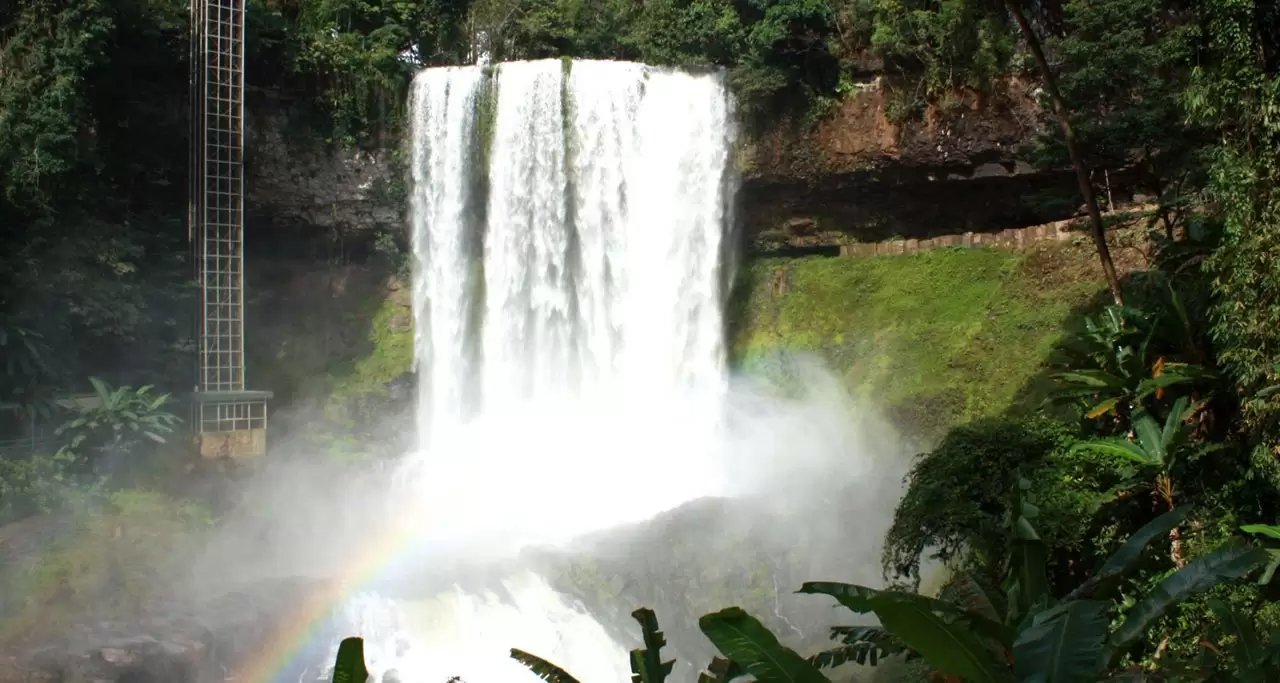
<point x="229" y="421"/>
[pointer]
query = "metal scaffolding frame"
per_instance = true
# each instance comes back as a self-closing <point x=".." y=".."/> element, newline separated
<point x="216" y="222"/>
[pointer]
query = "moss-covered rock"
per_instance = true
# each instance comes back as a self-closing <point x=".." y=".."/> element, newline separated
<point x="935" y="339"/>
<point x="387" y="353"/>
<point x="106" y="558"/>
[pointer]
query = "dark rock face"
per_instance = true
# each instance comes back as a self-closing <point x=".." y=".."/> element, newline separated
<point x="149" y="653"/>
<point x="858" y="177"/>
<point x="896" y="203"/>
<point x="402" y="390"/>
<point x="295" y="183"/>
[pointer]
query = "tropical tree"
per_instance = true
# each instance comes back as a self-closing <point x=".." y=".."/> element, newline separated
<point x="1156" y="449"/>
<point x="1122" y="65"/>
<point x="118" y="421"/>
<point x="348" y="665"/>
<point x="1040" y="637"/>
<point x="739" y="631"/>
<point x="1078" y="161"/>
<point x="1121" y="359"/>
<point x="956" y="503"/>
<point x="1235" y="90"/>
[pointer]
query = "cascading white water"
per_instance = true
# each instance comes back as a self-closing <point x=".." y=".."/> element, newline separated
<point x="442" y="158"/>
<point x="606" y="213"/>
<point x="590" y="307"/>
<point x="528" y="318"/>
<point x="569" y="310"/>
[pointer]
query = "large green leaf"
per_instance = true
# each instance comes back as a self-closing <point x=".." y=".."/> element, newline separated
<point x="1269" y="530"/>
<point x="744" y="640"/>
<point x="1096" y="379"/>
<point x="1063" y="644"/>
<point x="104" y="393"/>
<point x="864" y="600"/>
<point x="859" y="599"/>
<point x="862" y="654"/>
<point x="865" y="645"/>
<point x="948" y="646"/>
<point x="1123" y="560"/>
<point x="542" y="668"/>
<point x="1150" y="437"/>
<point x="1272" y="532"/>
<point x="1175" y="425"/>
<point x="1249" y="653"/>
<point x="1231" y="561"/>
<point x="1028" y="586"/>
<point x="1172" y="374"/>
<point x="1119" y="448"/>
<point x="646" y="663"/>
<point x="858" y="634"/>
<point x="348" y="666"/>
<point x="1103" y="407"/>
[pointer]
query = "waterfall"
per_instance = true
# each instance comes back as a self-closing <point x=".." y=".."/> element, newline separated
<point x="445" y="100"/>
<point x="569" y="232"/>
<point x="528" y="322"/>
<point x="603" y="230"/>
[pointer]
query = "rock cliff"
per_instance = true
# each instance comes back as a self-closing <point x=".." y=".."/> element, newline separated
<point x="296" y="183"/>
<point x="861" y="176"/>
<point x="858" y="175"/>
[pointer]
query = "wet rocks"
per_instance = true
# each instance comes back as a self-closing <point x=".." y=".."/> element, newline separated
<point x="189" y="644"/>
<point x="158" y="651"/>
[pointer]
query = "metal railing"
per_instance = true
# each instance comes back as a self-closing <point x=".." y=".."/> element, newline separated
<point x="216" y="210"/>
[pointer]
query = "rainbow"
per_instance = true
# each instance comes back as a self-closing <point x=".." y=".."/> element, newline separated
<point x="292" y="634"/>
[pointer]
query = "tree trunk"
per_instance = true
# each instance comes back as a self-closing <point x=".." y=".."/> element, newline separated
<point x="1073" y="148"/>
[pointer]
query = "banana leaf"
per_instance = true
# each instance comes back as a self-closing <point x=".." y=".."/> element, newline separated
<point x="745" y="641"/>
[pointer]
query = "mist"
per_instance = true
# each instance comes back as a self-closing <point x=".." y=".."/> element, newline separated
<point x="796" y="477"/>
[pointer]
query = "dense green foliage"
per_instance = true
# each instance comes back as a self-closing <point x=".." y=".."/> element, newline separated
<point x="1168" y="402"/>
<point x="1160" y="435"/>
<point x="969" y="473"/>
<point x="1121" y="62"/>
<point x="113" y="438"/>
<point x="86" y="197"/>
<point x="1135" y="444"/>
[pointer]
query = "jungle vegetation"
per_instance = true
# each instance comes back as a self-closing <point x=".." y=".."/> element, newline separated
<point x="1133" y="530"/>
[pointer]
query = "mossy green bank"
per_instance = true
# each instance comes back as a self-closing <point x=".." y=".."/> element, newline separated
<point x="936" y="338"/>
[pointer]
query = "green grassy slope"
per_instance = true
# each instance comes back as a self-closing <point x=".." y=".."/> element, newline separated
<point x="935" y="338"/>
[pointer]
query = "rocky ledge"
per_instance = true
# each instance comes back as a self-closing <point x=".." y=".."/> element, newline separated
<point x="859" y="177"/>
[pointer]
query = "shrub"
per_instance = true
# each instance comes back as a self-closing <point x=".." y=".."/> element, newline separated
<point x="957" y="503"/>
